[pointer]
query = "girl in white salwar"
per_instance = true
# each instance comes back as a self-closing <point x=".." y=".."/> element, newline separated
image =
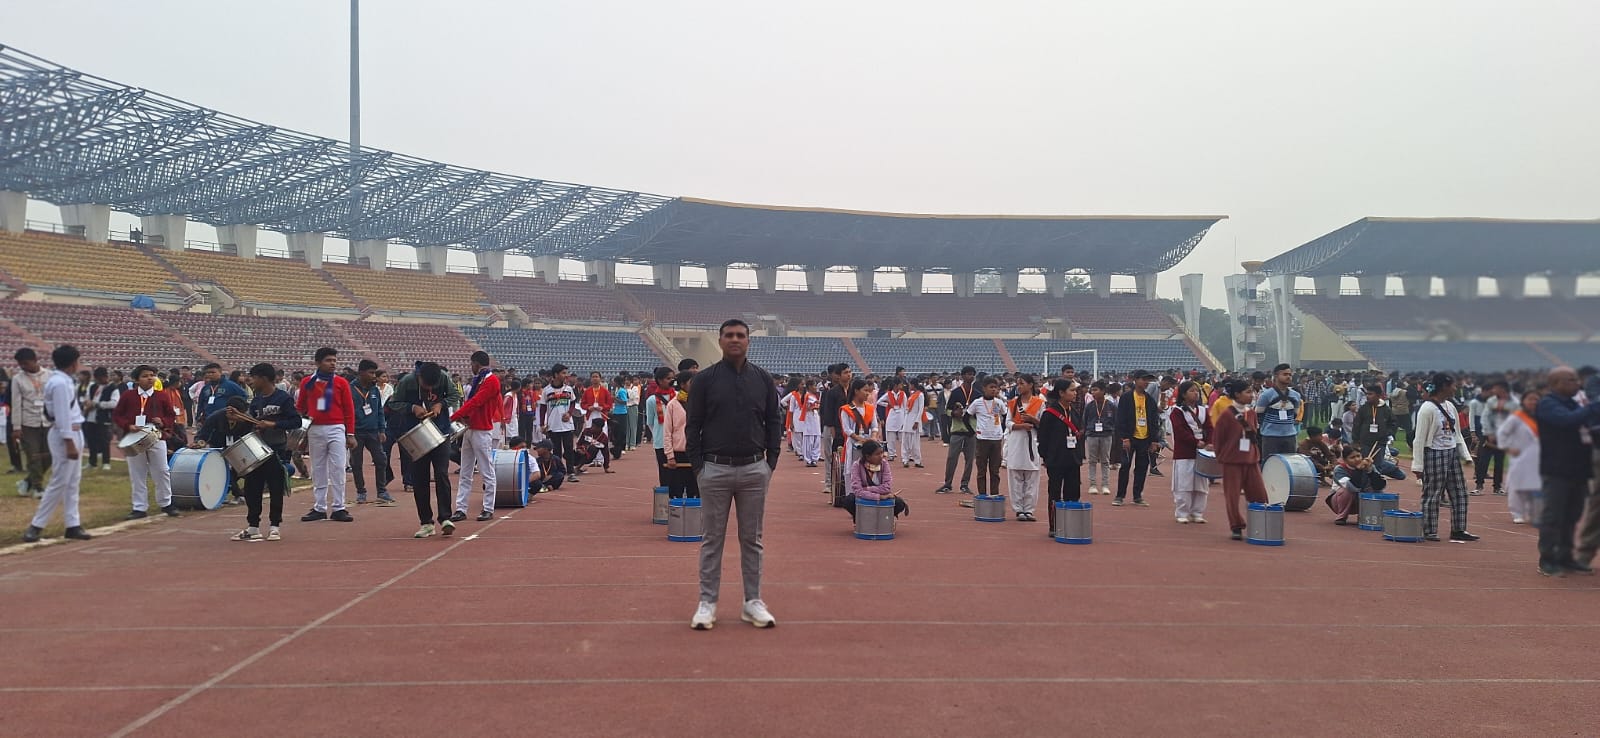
<point x="903" y="423"/>
<point x="805" y="424"/>
<point x="1021" y="450"/>
<point x="856" y="421"/>
<point x="1518" y="435"/>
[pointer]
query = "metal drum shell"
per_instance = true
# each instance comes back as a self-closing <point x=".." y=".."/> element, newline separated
<point x="247" y="454"/>
<point x="510" y="477"/>
<point x="200" y="478"/>
<point x="1291" y="481"/>
<point x="875" y="519"/>
<point x="422" y="439"/>
<point x="142" y="440"/>
<point x="1206" y="465"/>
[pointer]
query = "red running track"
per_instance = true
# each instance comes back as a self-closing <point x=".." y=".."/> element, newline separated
<point x="570" y="618"/>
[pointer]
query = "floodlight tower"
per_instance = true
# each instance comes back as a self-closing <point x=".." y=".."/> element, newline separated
<point x="1245" y="301"/>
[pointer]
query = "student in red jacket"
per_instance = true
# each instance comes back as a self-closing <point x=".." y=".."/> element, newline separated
<point x="1191" y="432"/>
<point x="1238" y="448"/>
<point x="326" y="399"/>
<point x="479" y="412"/>
<point x="146" y="407"/>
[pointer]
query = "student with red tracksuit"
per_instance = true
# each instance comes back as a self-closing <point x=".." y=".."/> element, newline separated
<point x="481" y="410"/>
<point x="326" y="399"/>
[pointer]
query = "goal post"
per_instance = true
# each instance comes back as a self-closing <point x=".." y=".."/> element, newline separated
<point x="1052" y="365"/>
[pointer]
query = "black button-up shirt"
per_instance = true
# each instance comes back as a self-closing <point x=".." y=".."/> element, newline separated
<point x="733" y="412"/>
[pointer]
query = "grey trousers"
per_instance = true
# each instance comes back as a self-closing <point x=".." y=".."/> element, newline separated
<point x="743" y="487"/>
<point x="1587" y="537"/>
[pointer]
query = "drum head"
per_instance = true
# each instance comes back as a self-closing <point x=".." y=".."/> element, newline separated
<point x="132" y="439"/>
<point x="200" y="478"/>
<point x="1277" y="476"/>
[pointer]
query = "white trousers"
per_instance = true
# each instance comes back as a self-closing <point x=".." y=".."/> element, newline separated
<point x="325" y="446"/>
<point x="152" y="464"/>
<point x="1189" y="492"/>
<point x="810" y="448"/>
<point x="477" y="454"/>
<point x="1519" y="502"/>
<point x="66" y="475"/>
<point x="906" y="445"/>
<point x="1024" y="489"/>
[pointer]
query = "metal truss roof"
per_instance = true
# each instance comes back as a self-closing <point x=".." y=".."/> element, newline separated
<point x="70" y="138"/>
<point x="690" y="231"/>
<point x="1447" y="247"/>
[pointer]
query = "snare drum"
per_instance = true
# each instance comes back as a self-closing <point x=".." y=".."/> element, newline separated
<point x="511" y="478"/>
<point x="1291" y="481"/>
<point x="299" y="436"/>
<point x="1206" y="465"/>
<point x="200" y="478"/>
<point x="247" y="453"/>
<point x="422" y="439"/>
<point x="139" y="441"/>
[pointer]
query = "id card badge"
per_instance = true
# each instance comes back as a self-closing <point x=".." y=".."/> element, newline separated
<point x="1372" y="428"/>
<point x="1099" y="427"/>
<point x="1143" y="421"/>
<point x="1072" y="441"/>
<point x="139" y="421"/>
<point x="1283" y="414"/>
<point x="366" y="409"/>
<point x="1244" y="445"/>
<point x="322" y="404"/>
<point x="211" y="401"/>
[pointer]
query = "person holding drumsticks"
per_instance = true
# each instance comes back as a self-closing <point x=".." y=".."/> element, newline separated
<point x="271" y="415"/>
<point x="426" y="396"/>
<point x="1238" y="449"/>
<point x="146" y="408"/>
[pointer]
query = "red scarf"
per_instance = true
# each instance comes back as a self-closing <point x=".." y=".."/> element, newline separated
<point x="801" y="399"/>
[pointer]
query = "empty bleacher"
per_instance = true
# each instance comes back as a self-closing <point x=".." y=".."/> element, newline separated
<point x="529" y="350"/>
<point x="798" y="355"/>
<point x="240" y="341"/>
<point x="399" y="346"/>
<point x="117" y="338"/>
<point x="261" y="280"/>
<point x="695" y="307"/>
<point x="1471" y="356"/>
<point x="831" y="310"/>
<point x="567" y="302"/>
<point x="1356" y="314"/>
<point x="49" y="260"/>
<point x="1575" y="354"/>
<point x="1116" y="355"/>
<point x="1117" y="312"/>
<point x="922" y="355"/>
<point x="411" y="291"/>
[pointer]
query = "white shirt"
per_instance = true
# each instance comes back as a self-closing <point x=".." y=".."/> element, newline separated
<point x="990" y="417"/>
<point x="61" y="400"/>
<point x="558" y="402"/>
<point x="1431" y="432"/>
<point x="27" y="398"/>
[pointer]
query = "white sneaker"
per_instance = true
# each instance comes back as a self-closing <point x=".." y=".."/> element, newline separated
<point x="425" y="531"/>
<point x="1185" y="521"/>
<point x="273" y="535"/>
<point x="1197" y="519"/>
<point x="1517" y="521"/>
<point x="705" y="617"/>
<point x="248" y="534"/>
<point x="755" y="613"/>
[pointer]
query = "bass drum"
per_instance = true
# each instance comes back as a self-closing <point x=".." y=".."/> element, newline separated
<point x="511" y="478"/>
<point x="200" y="478"/>
<point x="1291" y="481"/>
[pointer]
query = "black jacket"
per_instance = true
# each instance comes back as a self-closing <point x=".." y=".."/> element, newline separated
<point x="1366" y="439"/>
<point x="1562" y="452"/>
<point x="1053" y="435"/>
<point x="1127" y="423"/>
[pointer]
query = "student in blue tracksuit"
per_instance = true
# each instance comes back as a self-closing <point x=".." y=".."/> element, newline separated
<point x="371" y="431"/>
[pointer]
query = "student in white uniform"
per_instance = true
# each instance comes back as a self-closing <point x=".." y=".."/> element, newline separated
<point x="66" y="448"/>
<point x="1518" y="435"/>
<point x="989" y="414"/>
<point x="805" y="421"/>
<point x="856" y="420"/>
<point x="1022" y="447"/>
<point x="904" y="404"/>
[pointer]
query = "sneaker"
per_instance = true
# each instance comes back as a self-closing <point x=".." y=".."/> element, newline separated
<point x="1577" y="568"/>
<point x="1517" y="521"/>
<point x="943" y="490"/>
<point x="1461" y="535"/>
<point x="485" y="515"/>
<point x="705" y="616"/>
<point x="361" y="498"/>
<point x="248" y="534"/>
<point x="273" y="534"/>
<point x="755" y="613"/>
<point x="1552" y="570"/>
<point x="22" y="488"/>
<point x="105" y="467"/>
<point x="1197" y="519"/>
<point x="919" y="465"/>
<point x="1500" y="491"/>
<point x="424" y="532"/>
<point x="1476" y="491"/>
<point x="171" y="511"/>
<point x="1431" y="537"/>
<point x="313" y="516"/>
<point x="573" y="479"/>
<point x="1237" y="535"/>
<point x="77" y="533"/>
<point x="457" y="516"/>
<point x="966" y="490"/>
<point x="32" y="534"/>
<point x="1185" y="521"/>
<point x="1154" y="472"/>
<point x="384" y="500"/>
<point x="136" y="515"/>
<point x="447" y="527"/>
<point x="1140" y="503"/>
<point x="343" y="516"/>
<point x="1117" y="502"/>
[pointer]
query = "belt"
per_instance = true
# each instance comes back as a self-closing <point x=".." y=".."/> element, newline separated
<point x="734" y="460"/>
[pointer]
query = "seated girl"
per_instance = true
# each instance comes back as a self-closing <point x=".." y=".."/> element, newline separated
<point x="871" y="479"/>
<point x="1354" y="475"/>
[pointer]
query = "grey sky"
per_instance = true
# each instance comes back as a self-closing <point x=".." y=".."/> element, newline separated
<point x="1293" y="118"/>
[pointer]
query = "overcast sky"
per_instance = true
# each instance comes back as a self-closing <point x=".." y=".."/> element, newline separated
<point x="1291" y="117"/>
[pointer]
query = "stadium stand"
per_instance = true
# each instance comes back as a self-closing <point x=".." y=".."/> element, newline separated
<point x="694" y="307"/>
<point x="1575" y="354"/>
<point x="567" y="302"/>
<point x="262" y="279"/>
<point x="240" y="341"/>
<point x="1480" y="315"/>
<point x="832" y="310"/>
<point x="1472" y="356"/>
<point x="399" y="346"/>
<point x="920" y="355"/>
<point x="529" y="350"/>
<point x="798" y="355"/>
<point x="1115" y="355"/>
<point x="49" y="260"/>
<point x="1117" y="312"/>
<point x="411" y="291"/>
<point x="112" y="337"/>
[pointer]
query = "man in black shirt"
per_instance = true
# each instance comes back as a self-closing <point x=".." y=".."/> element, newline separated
<point x="734" y="436"/>
<point x="839" y="376"/>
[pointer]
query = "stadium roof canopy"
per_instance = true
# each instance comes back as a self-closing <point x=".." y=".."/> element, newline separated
<point x="71" y="138"/>
<point x="1447" y="247"/>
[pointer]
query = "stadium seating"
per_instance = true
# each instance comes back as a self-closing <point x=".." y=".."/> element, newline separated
<point x="262" y="280"/>
<point x="1116" y="355"/>
<point x="1117" y="312"/>
<point x="240" y="341"/>
<point x="921" y="355"/>
<point x="528" y="350"/>
<point x="411" y="291"/>
<point x="1574" y="354"/>
<point x="1471" y="356"/>
<point x="1354" y="314"/>
<point x="117" y="338"/>
<point x="695" y="307"/>
<point x="399" y="346"/>
<point x="50" y="260"/>
<point x="567" y="301"/>
<point x="832" y="310"/>
<point x="798" y="355"/>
